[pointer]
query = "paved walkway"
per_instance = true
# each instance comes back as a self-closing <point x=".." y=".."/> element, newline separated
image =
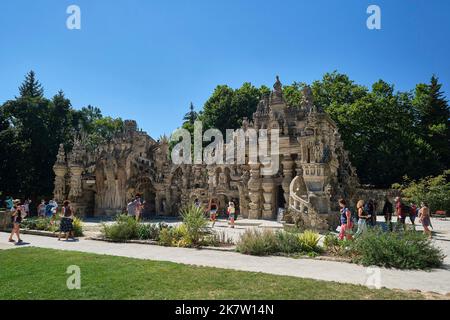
<point x="432" y="281"/>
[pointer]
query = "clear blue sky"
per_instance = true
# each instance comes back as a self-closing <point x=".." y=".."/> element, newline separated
<point x="147" y="59"/>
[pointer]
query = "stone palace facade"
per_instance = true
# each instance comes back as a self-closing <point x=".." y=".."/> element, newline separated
<point x="314" y="172"/>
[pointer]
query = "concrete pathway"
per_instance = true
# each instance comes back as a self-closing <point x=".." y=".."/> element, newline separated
<point x="432" y="281"/>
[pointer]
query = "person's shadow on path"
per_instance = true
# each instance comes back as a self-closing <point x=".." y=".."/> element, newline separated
<point x="22" y="244"/>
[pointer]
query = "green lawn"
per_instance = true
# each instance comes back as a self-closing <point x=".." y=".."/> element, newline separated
<point x="31" y="273"/>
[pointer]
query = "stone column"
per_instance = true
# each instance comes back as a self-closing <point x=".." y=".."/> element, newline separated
<point x="60" y="170"/>
<point x="157" y="203"/>
<point x="75" y="182"/>
<point x="254" y="187"/>
<point x="76" y="189"/>
<point x="268" y="206"/>
<point x="60" y="182"/>
<point x="288" y="165"/>
<point x="299" y="168"/>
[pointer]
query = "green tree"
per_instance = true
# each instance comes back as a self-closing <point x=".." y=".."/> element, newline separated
<point x="191" y="116"/>
<point x="293" y="93"/>
<point x="31" y="88"/>
<point x="378" y="129"/>
<point x="434" y="190"/>
<point x="226" y="108"/>
<point x="433" y="119"/>
<point x="31" y="129"/>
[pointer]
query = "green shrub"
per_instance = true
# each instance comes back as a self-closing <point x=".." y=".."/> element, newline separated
<point x="434" y="190"/>
<point x="29" y="224"/>
<point x="268" y="242"/>
<point x="78" y="227"/>
<point x="309" y="241"/>
<point x="257" y="243"/>
<point x="195" y="224"/>
<point x="288" y="242"/>
<point x="125" y="228"/>
<point x="216" y="239"/>
<point x="42" y="224"/>
<point x="148" y="231"/>
<point x="406" y="250"/>
<point x="167" y="237"/>
<point x="336" y="247"/>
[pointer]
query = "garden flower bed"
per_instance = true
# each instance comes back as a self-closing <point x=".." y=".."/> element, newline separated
<point x="48" y="226"/>
<point x="192" y="233"/>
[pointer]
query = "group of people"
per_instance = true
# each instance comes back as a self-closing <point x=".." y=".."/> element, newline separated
<point x="19" y="211"/>
<point x="366" y="216"/>
<point x="47" y="208"/>
<point x="213" y="208"/>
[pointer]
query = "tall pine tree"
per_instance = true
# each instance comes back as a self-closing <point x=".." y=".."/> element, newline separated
<point x="31" y="88"/>
<point x="434" y="119"/>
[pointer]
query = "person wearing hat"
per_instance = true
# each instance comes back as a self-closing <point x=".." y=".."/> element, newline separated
<point x="17" y="215"/>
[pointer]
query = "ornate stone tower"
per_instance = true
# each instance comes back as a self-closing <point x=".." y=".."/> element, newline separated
<point x="60" y="169"/>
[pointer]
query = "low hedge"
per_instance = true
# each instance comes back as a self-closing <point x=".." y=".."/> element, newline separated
<point x="267" y="242"/>
<point x="51" y="224"/>
<point x="401" y="250"/>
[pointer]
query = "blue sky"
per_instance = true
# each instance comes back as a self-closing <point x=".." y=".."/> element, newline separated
<point x="147" y="60"/>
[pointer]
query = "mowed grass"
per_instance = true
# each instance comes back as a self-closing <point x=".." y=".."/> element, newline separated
<point x="32" y="273"/>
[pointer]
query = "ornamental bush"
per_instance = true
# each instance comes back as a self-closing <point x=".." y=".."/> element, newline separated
<point x="267" y="242"/>
<point x="125" y="228"/>
<point x="195" y="224"/>
<point x="257" y="243"/>
<point x="51" y="224"/>
<point x="403" y="250"/>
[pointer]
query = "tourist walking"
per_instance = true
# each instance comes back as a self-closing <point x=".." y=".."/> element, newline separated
<point x="9" y="203"/>
<point x="197" y="203"/>
<point x="425" y="218"/>
<point x="371" y="215"/>
<point x="346" y="221"/>
<point x="26" y="206"/>
<point x="231" y="213"/>
<point x="388" y="210"/>
<point x="66" y="225"/>
<point x="41" y="209"/>
<point x="134" y="207"/>
<point x="413" y="212"/>
<point x="17" y="215"/>
<point x="213" y="207"/>
<point x="362" y="218"/>
<point x="400" y="212"/>
<point x="51" y="209"/>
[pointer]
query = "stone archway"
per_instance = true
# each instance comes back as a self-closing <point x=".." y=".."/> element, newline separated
<point x="146" y="189"/>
